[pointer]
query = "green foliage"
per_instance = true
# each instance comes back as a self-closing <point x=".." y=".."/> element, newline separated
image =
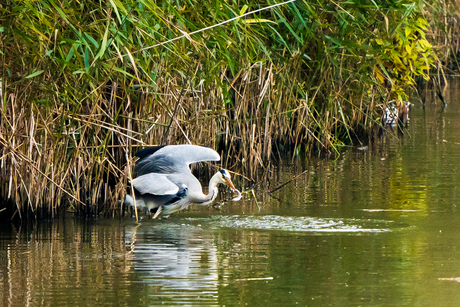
<point x="102" y="75"/>
<point x="404" y="54"/>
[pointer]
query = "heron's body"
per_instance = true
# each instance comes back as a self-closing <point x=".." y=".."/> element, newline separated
<point x="164" y="180"/>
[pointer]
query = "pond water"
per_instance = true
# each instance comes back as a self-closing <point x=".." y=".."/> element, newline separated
<point x="376" y="227"/>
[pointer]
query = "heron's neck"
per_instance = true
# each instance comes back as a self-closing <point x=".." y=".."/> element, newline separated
<point x="212" y="190"/>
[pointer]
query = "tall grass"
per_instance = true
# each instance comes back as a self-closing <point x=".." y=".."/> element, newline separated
<point x="445" y="33"/>
<point x="86" y="83"/>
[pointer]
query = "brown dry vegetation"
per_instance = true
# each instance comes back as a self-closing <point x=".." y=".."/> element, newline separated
<point x="83" y="89"/>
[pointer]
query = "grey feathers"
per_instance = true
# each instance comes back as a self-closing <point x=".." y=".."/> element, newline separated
<point x="172" y="159"/>
<point x="156" y="184"/>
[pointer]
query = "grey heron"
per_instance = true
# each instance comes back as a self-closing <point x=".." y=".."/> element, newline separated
<point x="164" y="181"/>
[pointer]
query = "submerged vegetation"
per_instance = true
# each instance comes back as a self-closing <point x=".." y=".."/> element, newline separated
<point x="84" y="84"/>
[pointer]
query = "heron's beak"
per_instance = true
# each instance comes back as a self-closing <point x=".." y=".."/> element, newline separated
<point x="230" y="184"/>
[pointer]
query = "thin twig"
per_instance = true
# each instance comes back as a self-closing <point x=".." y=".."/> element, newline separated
<point x="276" y="189"/>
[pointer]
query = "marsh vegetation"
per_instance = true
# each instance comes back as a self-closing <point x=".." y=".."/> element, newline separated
<point x="85" y="84"/>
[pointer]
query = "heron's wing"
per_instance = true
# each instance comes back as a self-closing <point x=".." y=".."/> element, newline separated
<point x="172" y="158"/>
<point x="144" y="153"/>
<point x="155" y="184"/>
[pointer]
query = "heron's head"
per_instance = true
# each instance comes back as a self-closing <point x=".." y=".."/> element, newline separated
<point x="226" y="179"/>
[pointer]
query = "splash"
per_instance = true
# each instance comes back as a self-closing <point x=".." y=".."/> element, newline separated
<point x="301" y="224"/>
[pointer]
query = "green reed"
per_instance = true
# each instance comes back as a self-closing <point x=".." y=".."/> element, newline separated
<point x="86" y="83"/>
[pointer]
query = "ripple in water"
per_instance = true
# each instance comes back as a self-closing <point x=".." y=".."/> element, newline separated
<point x="301" y="223"/>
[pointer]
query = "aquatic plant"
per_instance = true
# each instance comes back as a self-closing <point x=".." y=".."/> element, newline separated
<point x="86" y="83"/>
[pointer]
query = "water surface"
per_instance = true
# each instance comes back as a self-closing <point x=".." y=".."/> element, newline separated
<point x="376" y="227"/>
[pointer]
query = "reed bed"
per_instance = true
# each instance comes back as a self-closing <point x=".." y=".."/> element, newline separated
<point x="444" y="33"/>
<point x="85" y="84"/>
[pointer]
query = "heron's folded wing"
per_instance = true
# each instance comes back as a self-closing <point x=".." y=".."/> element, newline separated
<point x="156" y="184"/>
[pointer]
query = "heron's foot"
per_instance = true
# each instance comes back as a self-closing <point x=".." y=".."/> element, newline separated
<point x="158" y="212"/>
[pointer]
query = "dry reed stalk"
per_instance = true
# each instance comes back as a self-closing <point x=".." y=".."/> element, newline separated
<point x="71" y="121"/>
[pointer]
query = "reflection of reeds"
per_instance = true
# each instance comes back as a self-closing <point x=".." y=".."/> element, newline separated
<point x="71" y="262"/>
<point x="48" y="265"/>
<point x="82" y="89"/>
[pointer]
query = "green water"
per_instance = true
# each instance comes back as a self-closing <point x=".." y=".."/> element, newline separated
<point x="377" y="227"/>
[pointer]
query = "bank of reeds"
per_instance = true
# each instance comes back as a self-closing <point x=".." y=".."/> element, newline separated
<point x="87" y="83"/>
<point x="444" y="33"/>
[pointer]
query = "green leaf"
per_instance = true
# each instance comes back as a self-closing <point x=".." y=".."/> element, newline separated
<point x="249" y="21"/>
<point x="333" y="40"/>
<point x="116" y="9"/>
<point x="231" y="64"/>
<point x="92" y="40"/>
<point x="121" y="71"/>
<point x="70" y="54"/>
<point x="86" y="59"/>
<point x="104" y="42"/>
<point x="35" y="74"/>
<point x="244" y="9"/>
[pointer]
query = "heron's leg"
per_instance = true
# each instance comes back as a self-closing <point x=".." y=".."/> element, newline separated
<point x="158" y="212"/>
